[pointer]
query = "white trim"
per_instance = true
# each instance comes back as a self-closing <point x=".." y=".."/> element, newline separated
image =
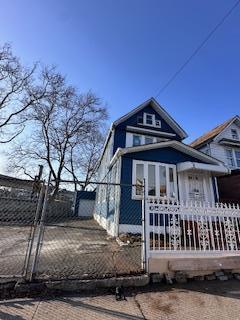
<point x="236" y="118"/>
<point x="173" y="144"/>
<point x="188" y="165"/>
<point x="149" y="131"/>
<point x="234" y="158"/>
<point x="157" y="179"/>
<point x="110" y="132"/>
<point x="160" y="110"/>
<point x="117" y="204"/>
<point x="130" y="228"/>
<point x="130" y="137"/>
<point x="152" y="115"/>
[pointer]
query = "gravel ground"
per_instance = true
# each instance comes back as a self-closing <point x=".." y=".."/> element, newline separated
<point x="76" y="249"/>
<point x="210" y="300"/>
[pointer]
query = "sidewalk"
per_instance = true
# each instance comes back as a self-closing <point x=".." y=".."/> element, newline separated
<point x="197" y="300"/>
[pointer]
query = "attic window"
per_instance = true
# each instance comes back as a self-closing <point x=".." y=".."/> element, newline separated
<point x="149" y="119"/>
<point x="234" y="134"/>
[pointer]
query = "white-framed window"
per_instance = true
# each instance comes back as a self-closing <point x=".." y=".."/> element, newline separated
<point x="233" y="157"/>
<point x="237" y="158"/>
<point x="160" y="180"/>
<point x="229" y="156"/>
<point x="137" y="140"/>
<point x="149" y="140"/>
<point x="149" y="119"/>
<point x="133" y="140"/>
<point x="234" y="134"/>
<point x="139" y="176"/>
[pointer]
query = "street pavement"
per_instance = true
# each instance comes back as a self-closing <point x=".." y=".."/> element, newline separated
<point x="195" y="300"/>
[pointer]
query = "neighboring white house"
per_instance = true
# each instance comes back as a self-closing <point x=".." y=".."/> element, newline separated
<point x="222" y="143"/>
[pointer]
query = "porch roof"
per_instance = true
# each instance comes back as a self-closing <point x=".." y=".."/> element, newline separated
<point x="171" y="143"/>
<point x="215" y="169"/>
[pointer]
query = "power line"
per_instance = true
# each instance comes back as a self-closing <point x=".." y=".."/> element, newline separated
<point x="195" y="52"/>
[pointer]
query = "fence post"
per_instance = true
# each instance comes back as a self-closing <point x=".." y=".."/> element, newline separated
<point x="33" y="231"/>
<point x="144" y="231"/>
<point x="41" y="230"/>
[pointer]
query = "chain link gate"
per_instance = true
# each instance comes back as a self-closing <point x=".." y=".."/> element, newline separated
<point x="65" y="237"/>
<point x="65" y="244"/>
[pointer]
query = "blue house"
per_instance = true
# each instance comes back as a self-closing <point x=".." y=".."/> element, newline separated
<point x="146" y="145"/>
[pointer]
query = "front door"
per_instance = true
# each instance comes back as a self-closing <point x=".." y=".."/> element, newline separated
<point x="196" y="190"/>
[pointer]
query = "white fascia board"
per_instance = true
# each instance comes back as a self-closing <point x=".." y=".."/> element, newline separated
<point x="117" y="154"/>
<point x="161" y="111"/>
<point x="216" y="169"/>
<point x="173" y="144"/>
<point x="110" y="131"/>
<point x="149" y="131"/>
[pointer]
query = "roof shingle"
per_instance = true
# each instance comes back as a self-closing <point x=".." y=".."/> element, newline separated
<point x="211" y="134"/>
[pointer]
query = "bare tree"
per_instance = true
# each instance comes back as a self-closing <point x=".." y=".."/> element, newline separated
<point x="17" y="93"/>
<point x="83" y="157"/>
<point x="61" y="121"/>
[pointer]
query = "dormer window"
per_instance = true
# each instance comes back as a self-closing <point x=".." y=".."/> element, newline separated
<point x="234" y="134"/>
<point x="149" y="120"/>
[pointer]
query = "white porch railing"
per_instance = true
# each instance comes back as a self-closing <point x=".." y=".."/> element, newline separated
<point x="172" y="226"/>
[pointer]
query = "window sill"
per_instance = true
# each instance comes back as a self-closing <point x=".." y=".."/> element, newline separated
<point x="149" y="125"/>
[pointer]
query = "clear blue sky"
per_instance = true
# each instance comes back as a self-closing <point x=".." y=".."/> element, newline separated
<point x="126" y="50"/>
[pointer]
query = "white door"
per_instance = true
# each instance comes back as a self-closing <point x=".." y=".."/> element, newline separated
<point x="196" y="188"/>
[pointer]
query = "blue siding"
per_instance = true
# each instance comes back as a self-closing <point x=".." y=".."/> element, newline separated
<point x="130" y="210"/>
<point x="120" y="130"/>
<point x="119" y="138"/>
<point x="165" y="155"/>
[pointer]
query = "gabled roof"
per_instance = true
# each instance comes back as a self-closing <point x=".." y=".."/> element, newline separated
<point x="210" y="135"/>
<point x="160" y="110"/>
<point x="182" y="147"/>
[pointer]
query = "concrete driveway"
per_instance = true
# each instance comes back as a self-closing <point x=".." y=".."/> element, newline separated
<point x="73" y="249"/>
<point x="196" y="300"/>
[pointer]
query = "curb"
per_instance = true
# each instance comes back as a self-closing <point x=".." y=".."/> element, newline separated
<point x="12" y="289"/>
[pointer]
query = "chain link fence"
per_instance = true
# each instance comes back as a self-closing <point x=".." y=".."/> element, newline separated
<point x="71" y="234"/>
<point x="18" y="207"/>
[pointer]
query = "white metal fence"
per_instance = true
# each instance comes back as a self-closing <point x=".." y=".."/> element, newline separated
<point x="174" y="227"/>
